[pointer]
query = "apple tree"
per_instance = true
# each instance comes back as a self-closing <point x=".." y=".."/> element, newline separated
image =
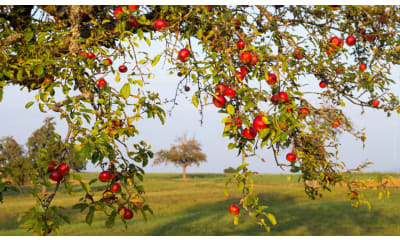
<point x="255" y="64"/>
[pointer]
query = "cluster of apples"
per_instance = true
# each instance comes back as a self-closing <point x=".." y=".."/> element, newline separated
<point x="57" y="173"/>
<point x="113" y="188"/>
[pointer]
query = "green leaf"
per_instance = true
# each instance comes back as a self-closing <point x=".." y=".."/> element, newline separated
<point x="241" y="167"/>
<point x="28" y="36"/>
<point x="29" y="104"/>
<point x="111" y="219"/>
<point x="126" y="90"/>
<point x="156" y="59"/>
<point x="195" y="101"/>
<point x="89" y="216"/>
<point x="140" y="33"/>
<point x="85" y="186"/>
<point x="271" y="218"/>
<point x="230" y="109"/>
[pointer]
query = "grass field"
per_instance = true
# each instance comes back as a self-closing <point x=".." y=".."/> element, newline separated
<point x="198" y="206"/>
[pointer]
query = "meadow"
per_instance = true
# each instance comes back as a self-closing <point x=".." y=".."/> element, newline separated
<point x="198" y="206"/>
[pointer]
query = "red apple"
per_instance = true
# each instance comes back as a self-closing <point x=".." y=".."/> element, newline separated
<point x="101" y="82"/>
<point x="283" y="96"/>
<point x="220" y="89"/>
<point x="371" y="37"/>
<point x="118" y="13"/>
<point x="128" y="214"/>
<point x="336" y="124"/>
<point x="115" y="187"/>
<point x="236" y="23"/>
<point x="63" y="169"/>
<point x="105" y="176"/>
<point x="322" y="84"/>
<point x="351" y="40"/>
<point x="291" y="157"/>
<point x="244" y="69"/>
<point x="271" y="78"/>
<point x="240" y="75"/>
<point x="187" y="88"/>
<point x="336" y="41"/>
<point x="241" y="44"/>
<point x="56" y="176"/>
<point x="254" y="59"/>
<point x="375" y="103"/>
<point x="245" y="57"/>
<point x="362" y="67"/>
<point x="299" y="52"/>
<point x="122" y="69"/>
<point x="355" y="194"/>
<point x="52" y="166"/>
<point x="108" y="61"/>
<point x="234" y="209"/>
<point x="160" y="24"/>
<point x="238" y="121"/>
<point x="219" y="101"/>
<point x="275" y="99"/>
<point x="258" y="123"/>
<point x="303" y="111"/>
<point x="249" y="133"/>
<point x="48" y="80"/>
<point x="184" y="55"/>
<point x="90" y="55"/>
<point x="132" y="23"/>
<point x="133" y="7"/>
<point x="230" y="92"/>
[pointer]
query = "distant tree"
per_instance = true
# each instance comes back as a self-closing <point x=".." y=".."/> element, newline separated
<point x="14" y="158"/>
<point x="229" y="170"/>
<point x="45" y="139"/>
<point x="185" y="153"/>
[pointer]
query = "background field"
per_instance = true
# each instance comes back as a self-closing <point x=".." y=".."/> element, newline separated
<point x="198" y="206"/>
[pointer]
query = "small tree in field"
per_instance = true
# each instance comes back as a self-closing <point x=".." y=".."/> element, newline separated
<point x="185" y="153"/>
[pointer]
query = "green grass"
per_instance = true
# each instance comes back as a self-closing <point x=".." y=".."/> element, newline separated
<point x="198" y="206"/>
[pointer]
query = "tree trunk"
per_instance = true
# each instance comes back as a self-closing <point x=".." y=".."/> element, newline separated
<point x="184" y="172"/>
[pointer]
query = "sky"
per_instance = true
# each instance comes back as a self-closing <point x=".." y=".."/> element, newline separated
<point x="381" y="145"/>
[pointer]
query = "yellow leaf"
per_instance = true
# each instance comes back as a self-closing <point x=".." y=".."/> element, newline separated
<point x="118" y="77"/>
<point x="129" y="181"/>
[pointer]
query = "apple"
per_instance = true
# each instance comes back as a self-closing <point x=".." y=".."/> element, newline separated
<point x="118" y="12"/>
<point x="90" y="55"/>
<point x="291" y="157"/>
<point x="336" y="124"/>
<point x="258" y="123"/>
<point x="249" y="133"/>
<point x="122" y="69"/>
<point x="220" y="89"/>
<point x="244" y="69"/>
<point x="245" y="57"/>
<point x="355" y="194"/>
<point x="336" y="41"/>
<point x="219" y="101"/>
<point x="351" y="40"/>
<point x="52" y="166"/>
<point x="105" y="176"/>
<point x="234" y="209"/>
<point x="362" y="67"/>
<point x="240" y="75"/>
<point x="56" y="176"/>
<point x="236" y="23"/>
<point x="133" y="7"/>
<point x="128" y="214"/>
<point x="303" y="111"/>
<point x="275" y="99"/>
<point x="322" y="84"/>
<point x="238" y="121"/>
<point x="299" y="52"/>
<point x="283" y="96"/>
<point x="101" y="82"/>
<point x="228" y="123"/>
<point x="160" y="24"/>
<point x="230" y="92"/>
<point x="48" y="80"/>
<point x="240" y="44"/>
<point x="271" y="78"/>
<point x="371" y="37"/>
<point x="63" y="169"/>
<point x="254" y="59"/>
<point x="187" y="88"/>
<point x="115" y="187"/>
<point x="375" y="103"/>
<point x="132" y="23"/>
<point x="184" y="55"/>
<point x="108" y="61"/>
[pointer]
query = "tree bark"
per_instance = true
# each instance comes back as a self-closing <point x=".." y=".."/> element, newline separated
<point x="184" y="172"/>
